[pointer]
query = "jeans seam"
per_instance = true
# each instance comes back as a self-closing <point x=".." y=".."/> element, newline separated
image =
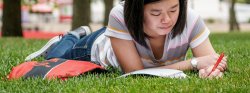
<point x="75" y="47"/>
<point x="81" y="56"/>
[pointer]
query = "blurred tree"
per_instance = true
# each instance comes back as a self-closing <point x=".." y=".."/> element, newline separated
<point x="108" y="7"/>
<point x="81" y="13"/>
<point x="234" y="26"/>
<point x="12" y="25"/>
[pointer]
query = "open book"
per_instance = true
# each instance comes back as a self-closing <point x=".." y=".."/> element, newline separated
<point x="168" y="73"/>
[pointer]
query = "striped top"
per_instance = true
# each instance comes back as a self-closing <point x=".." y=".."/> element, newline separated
<point x="175" y="49"/>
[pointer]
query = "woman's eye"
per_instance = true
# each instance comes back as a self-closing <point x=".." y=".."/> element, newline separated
<point x="173" y="11"/>
<point x="155" y="14"/>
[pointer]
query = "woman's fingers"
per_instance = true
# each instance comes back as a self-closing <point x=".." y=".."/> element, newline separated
<point x="202" y="73"/>
<point x="218" y="72"/>
<point x="224" y="61"/>
<point x="210" y="60"/>
<point x="215" y="73"/>
<point x="221" y="68"/>
<point x="223" y="64"/>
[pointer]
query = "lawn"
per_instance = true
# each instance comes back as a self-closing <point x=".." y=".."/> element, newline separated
<point x="236" y="79"/>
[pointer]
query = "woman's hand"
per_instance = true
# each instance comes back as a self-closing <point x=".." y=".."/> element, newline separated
<point x="210" y="60"/>
<point x="203" y="73"/>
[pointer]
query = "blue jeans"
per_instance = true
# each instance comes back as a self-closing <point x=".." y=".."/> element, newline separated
<point x="69" y="47"/>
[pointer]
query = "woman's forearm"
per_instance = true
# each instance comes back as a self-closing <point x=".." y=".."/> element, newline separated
<point x="183" y="65"/>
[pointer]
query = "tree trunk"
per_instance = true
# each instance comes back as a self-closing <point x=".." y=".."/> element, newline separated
<point x="108" y="7"/>
<point x="234" y="26"/>
<point x="12" y="25"/>
<point x="81" y="13"/>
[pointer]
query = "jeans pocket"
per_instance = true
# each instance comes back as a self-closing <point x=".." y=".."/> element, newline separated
<point x="80" y="53"/>
<point x="83" y="58"/>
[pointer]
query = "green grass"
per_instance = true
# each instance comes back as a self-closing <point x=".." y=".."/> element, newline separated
<point x="237" y="79"/>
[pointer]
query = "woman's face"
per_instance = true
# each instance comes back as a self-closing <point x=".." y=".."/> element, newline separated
<point x="160" y="17"/>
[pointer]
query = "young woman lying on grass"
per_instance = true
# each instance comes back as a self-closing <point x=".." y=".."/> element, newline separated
<point x="142" y="34"/>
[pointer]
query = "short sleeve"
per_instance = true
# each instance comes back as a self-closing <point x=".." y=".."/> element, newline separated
<point x="116" y="25"/>
<point x="199" y="32"/>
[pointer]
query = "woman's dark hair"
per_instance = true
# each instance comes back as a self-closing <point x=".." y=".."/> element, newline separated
<point x="133" y="16"/>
